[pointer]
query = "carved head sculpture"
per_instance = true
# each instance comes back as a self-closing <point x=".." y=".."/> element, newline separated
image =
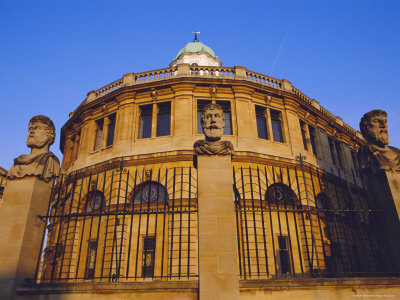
<point x="213" y="121"/>
<point x="373" y="126"/>
<point x="41" y="132"/>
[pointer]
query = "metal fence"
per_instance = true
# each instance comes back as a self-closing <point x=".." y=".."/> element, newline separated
<point x="126" y="223"/>
<point x="303" y="222"/>
<point x="121" y="224"/>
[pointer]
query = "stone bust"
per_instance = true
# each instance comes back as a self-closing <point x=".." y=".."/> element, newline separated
<point x="213" y="123"/>
<point x="40" y="162"/>
<point x="376" y="155"/>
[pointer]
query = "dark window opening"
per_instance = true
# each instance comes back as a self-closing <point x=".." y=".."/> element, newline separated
<point x="226" y="107"/>
<point x="339" y="153"/>
<point x="111" y="130"/>
<point x="261" y="120"/>
<point x="98" y="134"/>
<point x="332" y="149"/>
<point x="91" y="260"/>
<point x="280" y="193"/>
<point x="146" y="112"/>
<point x="95" y="200"/>
<point x="303" y="128"/>
<point x="164" y="119"/>
<point x="149" y="192"/>
<point x="313" y="139"/>
<point x="200" y="105"/>
<point x="284" y="258"/>
<point x="149" y="249"/>
<point x="276" y="120"/>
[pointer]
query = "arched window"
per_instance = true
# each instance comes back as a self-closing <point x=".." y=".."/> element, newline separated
<point x="322" y="201"/>
<point x="279" y="193"/>
<point x="95" y="200"/>
<point x="149" y="192"/>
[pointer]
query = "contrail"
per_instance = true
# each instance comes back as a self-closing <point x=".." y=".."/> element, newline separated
<point x="279" y="52"/>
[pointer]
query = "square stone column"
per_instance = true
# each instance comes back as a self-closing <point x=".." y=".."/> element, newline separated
<point x="218" y="253"/>
<point x="21" y="231"/>
<point x="384" y="189"/>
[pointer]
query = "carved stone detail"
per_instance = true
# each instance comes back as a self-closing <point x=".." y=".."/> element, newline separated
<point x="376" y="155"/>
<point x="40" y="162"/>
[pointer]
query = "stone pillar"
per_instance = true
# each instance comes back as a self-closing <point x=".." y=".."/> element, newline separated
<point x="218" y="253"/>
<point x="384" y="189"/>
<point x="21" y="231"/>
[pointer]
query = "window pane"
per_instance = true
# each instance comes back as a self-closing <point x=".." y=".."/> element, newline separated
<point x="200" y="105"/>
<point x="226" y="107"/>
<point x="304" y="134"/>
<point x="98" y="134"/>
<point x="164" y="119"/>
<point x="91" y="259"/>
<point x="339" y="154"/>
<point x="149" y="247"/>
<point x="111" y="130"/>
<point x="332" y="149"/>
<point x="261" y="123"/>
<point x="146" y="112"/>
<point x="313" y="139"/>
<point x="276" y="125"/>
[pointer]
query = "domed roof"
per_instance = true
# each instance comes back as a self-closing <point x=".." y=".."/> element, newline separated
<point x="195" y="47"/>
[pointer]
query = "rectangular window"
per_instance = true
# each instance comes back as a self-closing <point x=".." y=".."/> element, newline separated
<point x="91" y="260"/>
<point x="276" y="120"/>
<point x="164" y="119"/>
<point x="332" y="149"/>
<point x="145" y="123"/>
<point x="149" y="248"/>
<point x="111" y="130"/>
<point x="339" y="153"/>
<point x="98" y="134"/>
<point x="200" y="105"/>
<point x="303" y="128"/>
<point x="261" y="120"/>
<point x="284" y="258"/>
<point x="313" y="139"/>
<point x="355" y="161"/>
<point x="226" y="107"/>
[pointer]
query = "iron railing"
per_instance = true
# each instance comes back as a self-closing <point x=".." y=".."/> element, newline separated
<point x="121" y="224"/>
<point x="295" y="222"/>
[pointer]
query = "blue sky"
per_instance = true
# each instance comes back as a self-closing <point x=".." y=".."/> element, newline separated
<point x="345" y="54"/>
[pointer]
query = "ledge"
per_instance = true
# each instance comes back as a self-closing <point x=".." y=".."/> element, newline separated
<point x="107" y="287"/>
<point x="322" y="283"/>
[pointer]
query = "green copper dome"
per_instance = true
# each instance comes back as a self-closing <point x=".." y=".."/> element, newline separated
<point x="195" y="47"/>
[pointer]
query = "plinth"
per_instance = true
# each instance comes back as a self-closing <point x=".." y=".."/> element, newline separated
<point x="21" y="231"/>
<point x="384" y="188"/>
<point x="218" y="253"/>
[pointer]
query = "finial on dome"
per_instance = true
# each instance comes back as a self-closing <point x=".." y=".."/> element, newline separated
<point x="195" y="35"/>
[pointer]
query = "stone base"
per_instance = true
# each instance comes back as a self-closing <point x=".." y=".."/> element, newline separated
<point x="21" y="231"/>
<point x="218" y="254"/>
<point x="384" y="191"/>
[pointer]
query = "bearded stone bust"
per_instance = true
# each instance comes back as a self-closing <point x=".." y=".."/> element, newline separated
<point x="376" y="155"/>
<point x="40" y="162"/>
<point x="213" y="123"/>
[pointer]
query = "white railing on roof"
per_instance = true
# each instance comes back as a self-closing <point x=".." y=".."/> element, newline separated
<point x="155" y="75"/>
<point x="206" y="71"/>
<point x="109" y="88"/>
<point x="263" y="79"/>
<point x="301" y="95"/>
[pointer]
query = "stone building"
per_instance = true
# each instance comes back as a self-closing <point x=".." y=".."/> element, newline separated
<point x="125" y="216"/>
<point x="3" y="178"/>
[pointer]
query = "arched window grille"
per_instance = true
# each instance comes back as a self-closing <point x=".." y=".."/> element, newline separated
<point x="279" y="193"/>
<point x="149" y="192"/>
<point x="94" y="200"/>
